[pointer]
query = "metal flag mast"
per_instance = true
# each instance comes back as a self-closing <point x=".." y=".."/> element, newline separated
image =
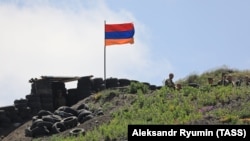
<point x="104" y="57"/>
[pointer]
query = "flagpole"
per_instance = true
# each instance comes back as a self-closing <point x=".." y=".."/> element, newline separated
<point x="104" y="57"/>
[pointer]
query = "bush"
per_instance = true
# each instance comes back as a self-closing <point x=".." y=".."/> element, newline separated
<point x="135" y="86"/>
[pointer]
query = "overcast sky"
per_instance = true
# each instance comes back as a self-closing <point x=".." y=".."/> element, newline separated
<point x="65" y="38"/>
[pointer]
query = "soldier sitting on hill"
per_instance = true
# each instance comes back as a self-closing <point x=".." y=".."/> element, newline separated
<point x="238" y="82"/>
<point x="211" y="82"/>
<point x="223" y="81"/>
<point x="169" y="82"/>
<point x="230" y="81"/>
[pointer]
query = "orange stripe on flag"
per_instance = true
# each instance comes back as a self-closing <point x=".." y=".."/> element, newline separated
<point x="118" y="41"/>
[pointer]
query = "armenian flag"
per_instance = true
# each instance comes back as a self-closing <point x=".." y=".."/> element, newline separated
<point x="116" y="34"/>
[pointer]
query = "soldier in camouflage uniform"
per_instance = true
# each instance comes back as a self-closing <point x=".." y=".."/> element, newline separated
<point x="230" y="81"/>
<point x="169" y="82"/>
<point x="223" y="81"/>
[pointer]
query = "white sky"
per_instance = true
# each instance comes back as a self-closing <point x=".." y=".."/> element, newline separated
<point x="65" y="38"/>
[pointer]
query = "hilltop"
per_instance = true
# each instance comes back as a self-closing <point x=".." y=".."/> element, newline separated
<point x="138" y="103"/>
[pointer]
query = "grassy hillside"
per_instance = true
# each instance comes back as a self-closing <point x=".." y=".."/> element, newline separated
<point x="137" y="104"/>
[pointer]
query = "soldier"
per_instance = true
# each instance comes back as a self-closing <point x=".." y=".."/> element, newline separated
<point x="211" y="82"/>
<point x="178" y="86"/>
<point x="223" y="81"/>
<point x="230" y="80"/>
<point x="238" y="82"/>
<point x="169" y="82"/>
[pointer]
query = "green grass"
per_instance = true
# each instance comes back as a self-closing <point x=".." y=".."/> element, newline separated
<point x="165" y="106"/>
